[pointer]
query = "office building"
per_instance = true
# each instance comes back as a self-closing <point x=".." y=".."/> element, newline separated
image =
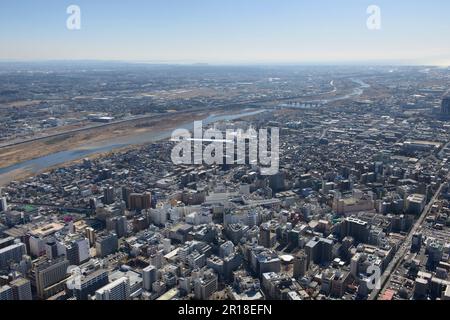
<point x="118" y="224"/>
<point x="140" y="201"/>
<point x="91" y="236"/>
<point x="90" y="283"/>
<point x="205" y="286"/>
<point x="3" y="204"/>
<point x="49" y="276"/>
<point x="355" y="228"/>
<point x="226" y="249"/>
<point x="108" y="195"/>
<point x="11" y="254"/>
<point x="126" y="192"/>
<point x="76" y="250"/>
<point x="319" y="251"/>
<point x="277" y="182"/>
<point x="267" y="262"/>
<point x="149" y="277"/>
<point x="116" y="290"/>
<point x="416" y="243"/>
<point x="6" y="293"/>
<point x="445" y="106"/>
<point x="106" y="245"/>
<point x="415" y="204"/>
<point x="300" y="265"/>
<point x="21" y="289"/>
<point x="265" y="235"/>
<point x="51" y="248"/>
<point x="5" y="242"/>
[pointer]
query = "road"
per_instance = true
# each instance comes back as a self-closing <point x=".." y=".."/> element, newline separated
<point x="441" y="153"/>
<point x="404" y="248"/>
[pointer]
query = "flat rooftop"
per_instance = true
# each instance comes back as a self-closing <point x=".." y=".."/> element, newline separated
<point x="47" y="229"/>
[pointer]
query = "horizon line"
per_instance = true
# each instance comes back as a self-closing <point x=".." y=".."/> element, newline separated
<point x="365" y="63"/>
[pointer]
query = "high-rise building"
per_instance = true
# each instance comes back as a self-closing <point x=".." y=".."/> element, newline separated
<point x="105" y="174"/>
<point x="355" y="228"/>
<point x="6" y="293"/>
<point x="51" y="249"/>
<point x="108" y="195"/>
<point x="319" y="250"/>
<point x="205" y="286"/>
<point x="21" y="289"/>
<point x="140" y="201"/>
<point x="5" y="242"/>
<point x="267" y="262"/>
<point x="11" y="254"/>
<point x="339" y="282"/>
<point x="421" y="287"/>
<point x="116" y="290"/>
<point x="416" y="242"/>
<point x="76" y="250"/>
<point x="93" y="203"/>
<point x="445" y="106"/>
<point x="264" y="235"/>
<point x="80" y="251"/>
<point x="106" y="245"/>
<point x="231" y="263"/>
<point x="90" y="234"/>
<point x="226" y="249"/>
<point x="415" y="204"/>
<point x="126" y="192"/>
<point x="354" y="264"/>
<point x="277" y="182"/>
<point x="3" y="204"/>
<point x="49" y="276"/>
<point x="90" y="283"/>
<point x="300" y="265"/>
<point x="149" y="277"/>
<point x="118" y="224"/>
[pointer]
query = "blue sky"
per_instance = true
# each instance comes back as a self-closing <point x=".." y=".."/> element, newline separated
<point x="228" y="31"/>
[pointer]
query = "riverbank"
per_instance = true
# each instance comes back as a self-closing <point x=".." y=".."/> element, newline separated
<point x="91" y="137"/>
<point x="116" y="139"/>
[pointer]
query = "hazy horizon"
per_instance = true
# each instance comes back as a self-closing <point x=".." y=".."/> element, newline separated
<point x="369" y="64"/>
<point x="228" y="32"/>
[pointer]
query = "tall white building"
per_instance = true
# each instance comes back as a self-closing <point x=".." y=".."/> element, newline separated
<point x="83" y="250"/>
<point x="3" y="204"/>
<point x="116" y="290"/>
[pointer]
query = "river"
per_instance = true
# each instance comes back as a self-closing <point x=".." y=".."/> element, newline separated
<point x="43" y="163"/>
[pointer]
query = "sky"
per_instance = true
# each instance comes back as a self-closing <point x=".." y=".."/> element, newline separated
<point x="228" y="31"/>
